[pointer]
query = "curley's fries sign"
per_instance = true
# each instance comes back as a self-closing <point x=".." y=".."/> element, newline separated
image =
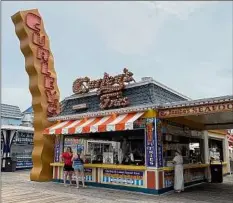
<point x="39" y="64"/>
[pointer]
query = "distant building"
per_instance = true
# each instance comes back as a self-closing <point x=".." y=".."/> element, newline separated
<point x="10" y="115"/>
<point x="16" y="138"/>
<point x="28" y="114"/>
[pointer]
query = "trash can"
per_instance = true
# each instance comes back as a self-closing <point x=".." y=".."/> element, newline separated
<point x="216" y="173"/>
<point x="10" y="165"/>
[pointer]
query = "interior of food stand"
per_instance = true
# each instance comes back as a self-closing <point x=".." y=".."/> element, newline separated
<point x="128" y="147"/>
<point x="122" y="147"/>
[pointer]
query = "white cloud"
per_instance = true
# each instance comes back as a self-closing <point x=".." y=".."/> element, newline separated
<point x="131" y="27"/>
<point x="17" y="96"/>
<point x="180" y="9"/>
<point x="126" y="27"/>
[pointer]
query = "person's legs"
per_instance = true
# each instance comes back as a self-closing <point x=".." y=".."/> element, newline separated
<point x="70" y="176"/>
<point x="77" y="177"/>
<point x="65" y="177"/>
<point x="82" y="175"/>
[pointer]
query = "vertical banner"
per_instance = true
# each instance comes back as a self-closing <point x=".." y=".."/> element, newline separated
<point x="57" y="149"/>
<point x="150" y="141"/>
<point x="159" y="143"/>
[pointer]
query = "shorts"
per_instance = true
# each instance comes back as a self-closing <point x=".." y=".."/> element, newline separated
<point x="79" y="168"/>
<point x="68" y="168"/>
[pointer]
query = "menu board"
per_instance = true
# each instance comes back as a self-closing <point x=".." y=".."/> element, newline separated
<point x="123" y="177"/>
<point x="74" y="143"/>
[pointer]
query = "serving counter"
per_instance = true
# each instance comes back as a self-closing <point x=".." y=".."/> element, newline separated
<point x="193" y="173"/>
<point x="107" y="174"/>
<point x="135" y="178"/>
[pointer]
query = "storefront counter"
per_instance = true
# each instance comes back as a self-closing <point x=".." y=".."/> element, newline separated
<point x="187" y="166"/>
<point x="135" y="178"/>
<point x="107" y="174"/>
<point x="193" y="173"/>
<point x="106" y="166"/>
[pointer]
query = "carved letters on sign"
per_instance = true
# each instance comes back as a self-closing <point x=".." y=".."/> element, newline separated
<point x="109" y="88"/>
<point x="39" y="65"/>
<point x="33" y="22"/>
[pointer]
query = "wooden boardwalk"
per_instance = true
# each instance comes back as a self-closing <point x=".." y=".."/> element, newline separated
<point x="17" y="188"/>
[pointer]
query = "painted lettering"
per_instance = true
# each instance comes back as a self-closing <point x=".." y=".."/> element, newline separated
<point x="43" y="54"/>
<point x="221" y="107"/>
<point x="44" y="68"/>
<point x="230" y="106"/>
<point x="48" y="82"/>
<point x="50" y="95"/>
<point x="33" y="21"/>
<point x="208" y="109"/>
<point x="200" y="109"/>
<point x="214" y="107"/>
<point x="196" y="110"/>
<point x="37" y="39"/>
<point x="52" y="109"/>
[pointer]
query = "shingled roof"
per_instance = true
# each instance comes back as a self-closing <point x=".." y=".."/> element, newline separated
<point x="141" y="93"/>
<point x="10" y="111"/>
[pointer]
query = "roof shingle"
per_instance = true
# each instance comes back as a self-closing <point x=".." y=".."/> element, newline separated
<point x="10" y="111"/>
<point x="141" y="95"/>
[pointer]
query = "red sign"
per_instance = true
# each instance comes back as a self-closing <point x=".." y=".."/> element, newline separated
<point x="33" y="22"/>
<point x="109" y="88"/>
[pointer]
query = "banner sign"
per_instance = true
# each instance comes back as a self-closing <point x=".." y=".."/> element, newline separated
<point x="123" y="177"/>
<point x="159" y="143"/>
<point x="23" y="138"/>
<point x="150" y="138"/>
<point x="57" y="149"/>
<point x="196" y="110"/>
<point x="24" y="163"/>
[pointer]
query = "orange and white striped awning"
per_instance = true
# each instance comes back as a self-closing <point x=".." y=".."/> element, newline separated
<point x="93" y="125"/>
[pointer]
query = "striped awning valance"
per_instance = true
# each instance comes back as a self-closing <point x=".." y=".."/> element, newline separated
<point x="93" y="125"/>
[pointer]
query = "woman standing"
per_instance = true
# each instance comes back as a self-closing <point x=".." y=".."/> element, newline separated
<point x="68" y="169"/>
<point x="78" y="164"/>
<point x="179" y="172"/>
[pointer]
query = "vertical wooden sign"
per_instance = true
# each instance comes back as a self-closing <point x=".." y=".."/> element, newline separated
<point x="39" y="64"/>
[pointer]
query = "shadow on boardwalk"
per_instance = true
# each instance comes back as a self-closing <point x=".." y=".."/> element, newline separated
<point x="17" y="188"/>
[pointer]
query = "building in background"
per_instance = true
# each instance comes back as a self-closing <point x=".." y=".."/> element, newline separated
<point x="10" y="115"/>
<point x="16" y="138"/>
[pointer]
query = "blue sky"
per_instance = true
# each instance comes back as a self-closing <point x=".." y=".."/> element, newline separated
<point x="184" y="45"/>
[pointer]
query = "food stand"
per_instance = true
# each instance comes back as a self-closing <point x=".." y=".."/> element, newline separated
<point x="108" y="135"/>
<point x="128" y="130"/>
